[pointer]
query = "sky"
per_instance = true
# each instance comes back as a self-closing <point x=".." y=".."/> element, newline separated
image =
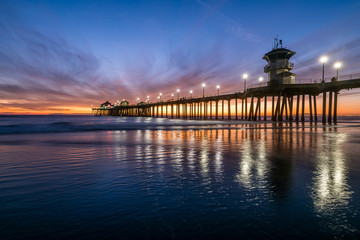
<point x="65" y="56"/>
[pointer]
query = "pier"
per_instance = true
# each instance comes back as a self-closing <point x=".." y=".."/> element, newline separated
<point x="282" y="99"/>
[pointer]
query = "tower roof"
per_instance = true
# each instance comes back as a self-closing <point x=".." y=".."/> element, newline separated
<point x="279" y="53"/>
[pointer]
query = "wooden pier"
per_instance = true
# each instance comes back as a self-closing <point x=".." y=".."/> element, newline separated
<point x="287" y="101"/>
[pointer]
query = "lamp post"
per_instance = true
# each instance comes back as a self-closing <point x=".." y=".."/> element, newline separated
<point x="147" y="99"/>
<point x="260" y="80"/>
<point x="138" y="100"/>
<point x="191" y="92"/>
<point x="218" y="89"/>
<point x="323" y="60"/>
<point x="245" y="76"/>
<point x="178" y="92"/>
<point x="337" y="65"/>
<point x="203" y="86"/>
<point x="160" y="96"/>
<point x="172" y="97"/>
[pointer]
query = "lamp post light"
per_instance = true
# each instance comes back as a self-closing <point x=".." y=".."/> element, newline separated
<point x="147" y="99"/>
<point x="160" y="94"/>
<point x="337" y="65"/>
<point x="191" y="92"/>
<point x="138" y="99"/>
<point x="158" y="98"/>
<point x="178" y="92"/>
<point x="172" y="97"/>
<point x="323" y="60"/>
<point x="260" y="80"/>
<point x="203" y="86"/>
<point x="245" y="76"/>
<point x="218" y="89"/>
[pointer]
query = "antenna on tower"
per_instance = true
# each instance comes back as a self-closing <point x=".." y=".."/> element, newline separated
<point x="280" y="43"/>
<point x="276" y="42"/>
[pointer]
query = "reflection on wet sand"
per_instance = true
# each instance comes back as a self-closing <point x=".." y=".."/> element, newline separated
<point x="254" y="156"/>
<point x="330" y="191"/>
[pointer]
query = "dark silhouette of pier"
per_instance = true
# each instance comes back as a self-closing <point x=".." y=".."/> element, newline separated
<point x="288" y="99"/>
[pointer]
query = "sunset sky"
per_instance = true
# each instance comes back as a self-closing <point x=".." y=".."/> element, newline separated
<point x="64" y="56"/>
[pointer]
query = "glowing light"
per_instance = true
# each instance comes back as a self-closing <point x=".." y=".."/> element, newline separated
<point x="261" y="79"/>
<point x="245" y="76"/>
<point x="337" y="65"/>
<point x="323" y="59"/>
<point x="160" y="94"/>
<point x="191" y="91"/>
<point x="203" y="85"/>
<point x="218" y="86"/>
<point x="178" y="90"/>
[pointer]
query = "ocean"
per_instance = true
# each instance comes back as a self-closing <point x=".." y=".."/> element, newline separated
<point x="85" y="177"/>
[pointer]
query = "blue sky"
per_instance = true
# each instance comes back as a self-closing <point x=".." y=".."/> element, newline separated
<point x="55" y="54"/>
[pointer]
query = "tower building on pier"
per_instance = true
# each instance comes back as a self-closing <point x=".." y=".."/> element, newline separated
<point x="279" y="66"/>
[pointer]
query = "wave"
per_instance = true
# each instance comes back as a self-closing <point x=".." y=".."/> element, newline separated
<point x="81" y="124"/>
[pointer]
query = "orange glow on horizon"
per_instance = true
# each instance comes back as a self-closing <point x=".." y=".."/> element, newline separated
<point x="348" y="105"/>
<point x="58" y="110"/>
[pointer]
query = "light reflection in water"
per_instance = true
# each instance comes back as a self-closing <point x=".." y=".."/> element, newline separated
<point x="244" y="175"/>
<point x="253" y="165"/>
<point x="218" y="156"/>
<point x="204" y="160"/>
<point x="266" y="158"/>
<point x="330" y="190"/>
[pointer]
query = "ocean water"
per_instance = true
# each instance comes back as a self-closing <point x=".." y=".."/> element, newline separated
<point x="82" y="177"/>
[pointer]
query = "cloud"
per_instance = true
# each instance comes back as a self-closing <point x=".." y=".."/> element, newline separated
<point x="38" y="68"/>
<point x="231" y="25"/>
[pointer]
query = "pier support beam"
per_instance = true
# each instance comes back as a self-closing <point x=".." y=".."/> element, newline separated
<point x="324" y="108"/>
<point x="297" y="108"/>
<point x="246" y="107"/>
<point x="222" y="109"/>
<point x="229" y="109"/>
<point x="217" y="109"/>
<point x="205" y="110"/>
<point x="291" y="101"/>
<point x="330" y="108"/>
<point x="273" y="108"/>
<point x="265" y="104"/>
<point x="310" y="108"/>
<point x="315" y="109"/>
<point x="303" y="109"/>
<point x="251" y="113"/>
<point x="335" y="107"/>
<point x="282" y="108"/>
<point x="236" y="109"/>
<point x="242" y="109"/>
